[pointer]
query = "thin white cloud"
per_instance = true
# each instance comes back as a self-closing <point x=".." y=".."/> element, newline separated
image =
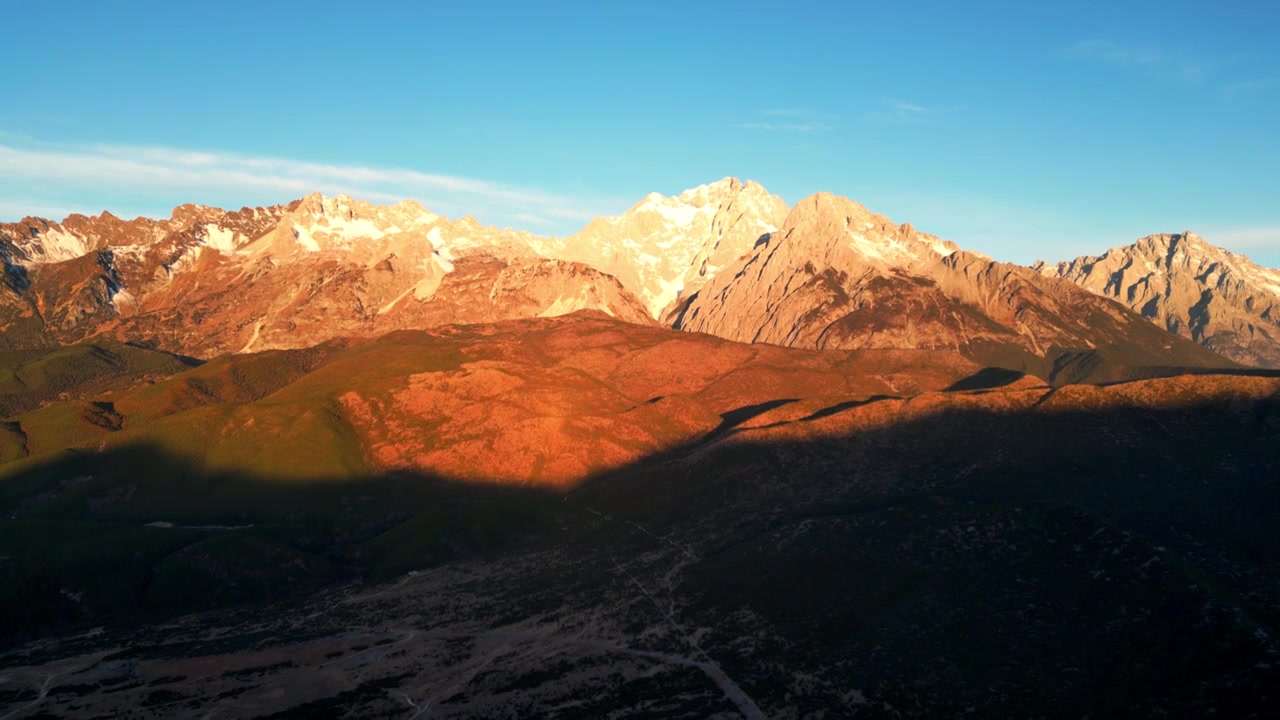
<point x="1175" y="64"/>
<point x="1232" y="75"/>
<point x="178" y="175"/>
<point x="1251" y="86"/>
<point x="788" y="120"/>
<point x="11" y="209"/>
<point x="798" y="127"/>
<point x="1117" y="53"/>
<point x="1008" y="231"/>
<point x="891" y="109"/>
<point x="789" y="112"/>
<point x="1244" y="239"/>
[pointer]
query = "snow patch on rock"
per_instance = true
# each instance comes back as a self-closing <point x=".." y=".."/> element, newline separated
<point x="219" y="238"/>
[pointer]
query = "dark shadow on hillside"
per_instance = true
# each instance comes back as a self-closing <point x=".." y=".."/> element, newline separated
<point x="1015" y="544"/>
<point x="841" y="407"/>
<point x="35" y="377"/>
<point x="734" y="418"/>
<point x="987" y="379"/>
<point x="1106" y="366"/>
<point x="1148" y="373"/>
<point x="141" y="533"/>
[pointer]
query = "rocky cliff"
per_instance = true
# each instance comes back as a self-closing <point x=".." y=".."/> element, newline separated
<point x="836" y="275"/>
<point x="1189" y="287"/>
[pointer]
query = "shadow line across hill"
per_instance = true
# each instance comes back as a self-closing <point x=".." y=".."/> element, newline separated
<point x="834" y="541"/>
<point x="84" y="523"/>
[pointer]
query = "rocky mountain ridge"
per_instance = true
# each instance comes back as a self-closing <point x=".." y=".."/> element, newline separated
<point x="1191" y="288"/>
<point x="206" y="281"/>
<point x="836" y="275"/>
<point x="726" y="258"/>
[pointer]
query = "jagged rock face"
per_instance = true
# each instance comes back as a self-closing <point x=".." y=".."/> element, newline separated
<point x="206" y="281"/>
<point x="725" y="258"/>
<point x="665" y="248"/>
<point x="1180" y="282"/>
<point x="836" y="275"/>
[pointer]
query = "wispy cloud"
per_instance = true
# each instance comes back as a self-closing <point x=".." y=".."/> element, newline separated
<point x="1261" y="243"/>
<point x="1246" y="238"/>
<point x="14" y="209"/>
<point x="530" y="218"/>
<point x="1231" y="75"/>
<point x="1117" y="53"/>
<point x="1250" y="86"/>
<point x="801" y="127"/>
<point x="178" y="175"/>
<point x="790" y="112"/>
<point x="895" y="110"/>
<point x="1175" y="64"/>
<point x="788" y="120"/>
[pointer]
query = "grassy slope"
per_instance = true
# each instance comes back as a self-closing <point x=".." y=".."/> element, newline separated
<point x="253" y="442"/>
<point x="258" y="441"/>
<point x="30" y="378"/>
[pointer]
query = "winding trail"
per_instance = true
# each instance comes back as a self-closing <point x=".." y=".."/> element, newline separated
<point x="43" y="689"/>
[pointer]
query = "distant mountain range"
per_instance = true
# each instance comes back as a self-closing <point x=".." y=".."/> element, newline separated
<point x="712" y="457"/>
<point x="726" y="258"/>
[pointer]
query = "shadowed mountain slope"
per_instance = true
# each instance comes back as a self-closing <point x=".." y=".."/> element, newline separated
<point x="32" y="378"/>
<point x="1014" y="551"/>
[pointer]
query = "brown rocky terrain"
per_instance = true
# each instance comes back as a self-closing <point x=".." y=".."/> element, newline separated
<point x="542" y="402"/>
<point x="206" y="282"/>
<point x="583" y="517"/>
<point x="836" y="275"/>
<point x="1191" y="288"/>
<point x="421" y="467"/>
<point x="726" y="258"/>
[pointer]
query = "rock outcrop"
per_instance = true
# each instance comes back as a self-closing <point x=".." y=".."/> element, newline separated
<point x="836" y="275"/>
<point x="726" y="258"/>
<point x="1183" y="284"/>
<point x="206" y="281"/>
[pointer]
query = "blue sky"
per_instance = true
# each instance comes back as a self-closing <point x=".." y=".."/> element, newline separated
<point x="1017" y="129"/>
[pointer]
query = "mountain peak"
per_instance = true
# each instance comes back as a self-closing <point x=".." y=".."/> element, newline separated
<point x="718" y="189"/>
<point x="824" y="221"/>
<point x="1170" y="239"/>
<point x="827" y="205"/>
<point x="1192" y="288"/>
<point x="191" y="213"/>
<point x="666" y="247"/>
<point x="410" y="205"/>
<point x="316" y="204"/>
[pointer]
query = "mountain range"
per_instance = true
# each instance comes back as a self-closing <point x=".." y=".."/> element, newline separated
<point x="726" y="258"/>
<point x="713" y="457"/>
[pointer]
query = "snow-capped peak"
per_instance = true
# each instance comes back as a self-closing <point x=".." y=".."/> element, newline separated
<point x="675" y="210"/>
<point x="665" y="247"/>
<point x="711" y="191"/>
